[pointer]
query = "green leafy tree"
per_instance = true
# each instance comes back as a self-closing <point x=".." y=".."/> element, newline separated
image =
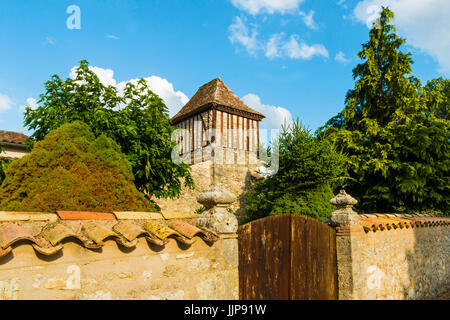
<point x="308" y="169"/>
<point x="70" y="169"/>
<point x="394" y="132"/>
<point x="136" y="119"/>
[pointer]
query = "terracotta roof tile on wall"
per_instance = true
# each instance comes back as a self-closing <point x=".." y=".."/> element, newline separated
<point x="214" y="92"/>
<point x="12" y="137"/>
<point x="84" y="215"/>
<point x="381" y="222"/>
<point x="51" y="230"/>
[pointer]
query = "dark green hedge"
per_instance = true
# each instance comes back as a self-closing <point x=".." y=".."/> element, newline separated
<point x="72" y="170"/>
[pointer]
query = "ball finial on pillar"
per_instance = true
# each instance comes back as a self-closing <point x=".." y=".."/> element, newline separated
<point x="344" y="214"/>
<point x="216" y="199"/>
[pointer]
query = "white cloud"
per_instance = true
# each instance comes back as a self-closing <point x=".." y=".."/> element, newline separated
<point x="255" y="7"/>
<point x="267" y="6"/>
<point x="31" y="103"/>
<point x="340" y="57"/>
<point x="342" y="4"/>
<point x="424" y="23"/>
<point x="174" y="100"/>
<point x="239" y="33"/>
<point x="275" y="116"/>
<point x="276" y="46"/>
<point x="5" y="103"/>
<point x="106" y="76"/>
<point x="296" y="50"/>
<point x="111" y="36"/>
<point x="308" y="19"/>
<point x="50" y="40"/>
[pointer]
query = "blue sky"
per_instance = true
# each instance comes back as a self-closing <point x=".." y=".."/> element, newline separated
<point x="285" y="58"/>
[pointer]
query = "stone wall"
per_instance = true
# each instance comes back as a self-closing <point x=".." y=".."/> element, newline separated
<point x="390" y="256"/>
<point x="13" y="152"/>
<point x="132" y="255"/>
<point x="187" y="201"/>
<point x="199" y="272"/>
<point x="408" y="263"/>
<point x="239" y="180"/>
<point x="185" y="267"/>
<point x="237" y="177"/>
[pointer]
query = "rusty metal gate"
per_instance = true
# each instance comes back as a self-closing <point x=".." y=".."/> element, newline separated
<point x="287" y="257"/>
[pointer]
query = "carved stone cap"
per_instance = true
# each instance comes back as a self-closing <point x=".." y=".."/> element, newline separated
<point x="216" y="195"/>
<point x="344" y="215"/>
<point x="343" y="200"/>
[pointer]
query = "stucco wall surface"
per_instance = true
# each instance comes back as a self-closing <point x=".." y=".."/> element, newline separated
<point x="201" y="271"/>
<point x="13" y="152"/>
<point x="408" y="263"/>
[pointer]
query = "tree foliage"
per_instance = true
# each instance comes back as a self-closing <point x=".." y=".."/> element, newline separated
<point x="394" y="131"/>
<point x="437" y="92"/>
<point x="308" y="168"/>
<point x="3" y="164"/>
<point x="70" y="169"/>
<point x="137" y="119"/>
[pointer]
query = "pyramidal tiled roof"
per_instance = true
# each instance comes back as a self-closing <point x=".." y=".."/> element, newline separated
<point x="218" y="93"/>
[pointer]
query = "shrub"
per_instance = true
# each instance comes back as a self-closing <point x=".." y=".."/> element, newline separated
<point x="308" y="168"/>
<point x="70" y="169"/>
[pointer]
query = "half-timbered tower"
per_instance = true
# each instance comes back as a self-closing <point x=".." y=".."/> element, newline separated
<point x="216" y="116"/>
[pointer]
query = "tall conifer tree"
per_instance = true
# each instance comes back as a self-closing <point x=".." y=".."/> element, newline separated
<point x="394" y="131"/>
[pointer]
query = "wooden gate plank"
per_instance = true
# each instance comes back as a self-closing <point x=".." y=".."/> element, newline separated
<point x="243" y="236"/>
<point x="313" y="263"/>
<point x="264" y="259"/>
<point x="299" y="271"/>
<point x="287" y="257"/>
<point x="311" y="245"/>
<point x="333" y="283"/>
<point x="275" y="250"/>
<point x="322" y="262"/>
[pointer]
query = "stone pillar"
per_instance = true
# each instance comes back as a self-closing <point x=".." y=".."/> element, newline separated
<point x="216" y="199"/>
<point x="218" y="217"/>
<point x="348" y="231"/>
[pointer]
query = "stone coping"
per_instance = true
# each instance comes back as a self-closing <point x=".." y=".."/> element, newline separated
<point x="47" y="232"/>
<point x="380" y="222"/>
<point x="86" y="215"/>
